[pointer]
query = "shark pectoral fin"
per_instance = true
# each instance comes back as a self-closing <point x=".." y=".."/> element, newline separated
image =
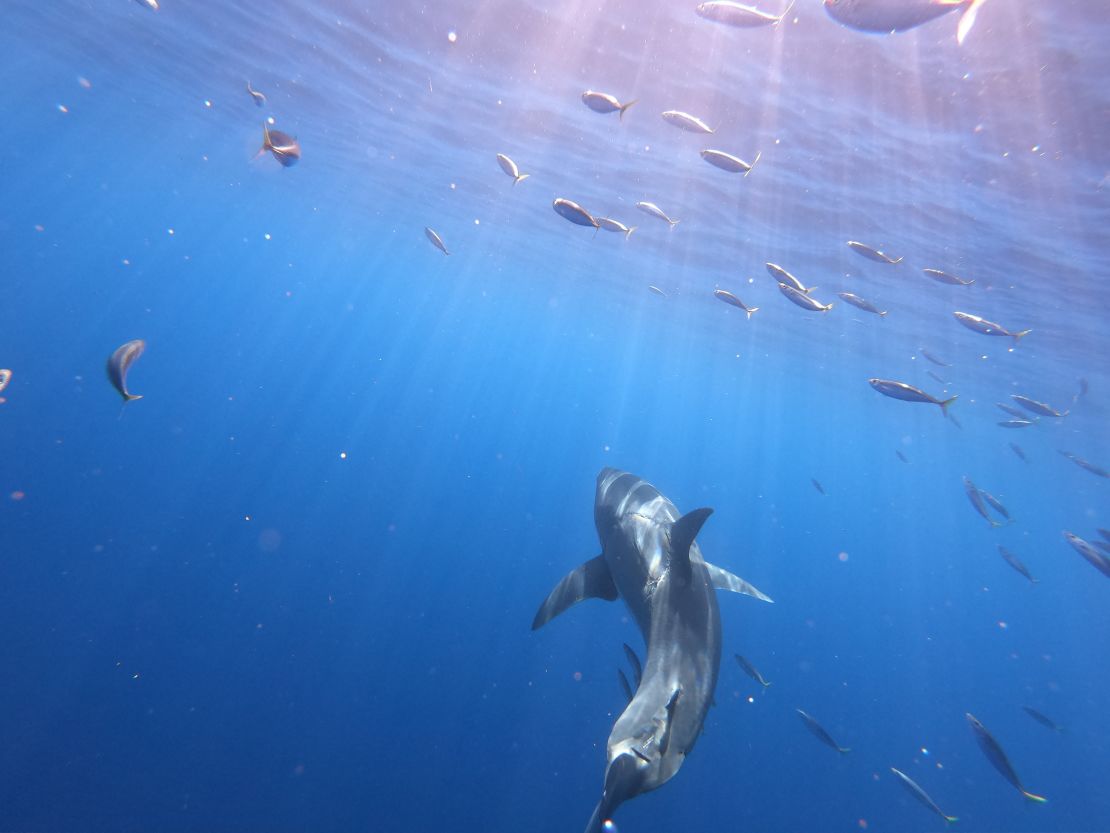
<point x="591" y="580"/>
<point x="683" y="533"/>
<point x="724" y="580"/>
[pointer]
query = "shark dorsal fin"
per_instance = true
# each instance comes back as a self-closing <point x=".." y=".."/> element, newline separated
<point x="683" y="533"/>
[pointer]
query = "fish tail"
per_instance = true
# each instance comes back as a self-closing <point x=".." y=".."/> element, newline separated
<point x="883" y="314"/>
<point x="625" y="106"/>
<point x="1040" y="799"/>
<point x="899" y="260"/>
<point x="758" y="154"/>
<point x="674" y="222"/>
<point x="749" y="312"/>
<point x="266" y="143"/>
<point x="131" y="397"/>
<point x="843" y="750"/>
<point x="967" y="20"/>
<point x="1019" y="336"/>
<point x="520" y="178"/>
<point x="828" y="307"/>
<point x="628" y="233"/>
<point x="950" y="819"/>
<point x="807" y="291"/>
<point x="944" y="405"/>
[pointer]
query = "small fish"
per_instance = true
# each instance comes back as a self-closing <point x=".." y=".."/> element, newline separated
<point x="803" y="300"/>
<point x="510" y="168"/>
<point x="1014" y="447"/>
<point x="1081" y="392"/>
<point x="651" y="209"/>
<point x="728" y="162"/>
<point x="995" y="503"/>
<point x="998" y="758"/>
<point x="634" y="661"/>
<point x="284" y="147"/>
<point x="1016" y="423"/>
<point x="944" y="277"/>
<point x="259" y="98"/>
<point x="820" y="733"/>
<point x="1043" y="719"/>
<point x="1016" y="563"/>
<point x="1011" y="410"/>
<point x="901" y="456"/>
<point x="732" y="300"/>
<point x="1097" y="560"/>
<point x="610" y="224"/>
<point x="988" y="328"/>
<point x="1086" y="464"/>
<point x="889" y="16"/>
<point x="934" y="359"/>
<point x="976" y="498"/>
<point x="921" y="795"/>
<point x="574" y="212"/>
<point x="782" y="276"/>
<point x="739" y="15"/>
<point x="935" y="377"/>
<point x="860" y="303"/>
<point x="436" y="240"/>
<point x="657" y="290"/>
<point x="751" y="670"/>
<point x="119" y="363"/>
<point x="684" y="121"/>
<point x="908" y="393"/>
<point x="817" y="485"/>
<point x="871" y="254"/>
<point x="625" y="687"/>
<point x="1038" y="408"/>
<point x="605" y="103"/>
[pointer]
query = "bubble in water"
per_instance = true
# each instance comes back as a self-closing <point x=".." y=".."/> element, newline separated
<point x="451" y="36"/>
<point x="609" y="827"/>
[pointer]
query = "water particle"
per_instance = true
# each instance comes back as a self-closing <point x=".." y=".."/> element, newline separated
<point x="862" y="824"/>
<point x="1035" y="148"/>
<point x="751" y="699"/>
<point x="451" y="36"/>
<point x="843" y="557"/>
<point x="207" y="103"/>
<point x="578" y="676"/>
<point x="169" y="231"/>
<point x="477" y="221"/>
<point x="62" y="108"/>
<point x="609" y="827"/>
<point x="342" y="455"/>
<point x="270" y="120"/>
<point x="39" y="227"/>
<point x="452" y="186"/>
<point x="18" y="494"/>
<point x="924" y="751"/>
<point x="84" y="82"/>
<point x="266" y="236"/>
<point x="1002" y="625"/>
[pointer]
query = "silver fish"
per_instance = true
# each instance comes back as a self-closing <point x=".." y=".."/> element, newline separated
<point x="739" y="15"/>
<point x="657" y="290"/>
<point x="728" y="162"/>
<point x="651" y="209"/>
<point x="259" y="98"/>
<point x="921" y="795"/>
<point x="993" y="750"/>
<point x="976" y="498"/>
<point x="1043" y="719"/>
<point x="610" y="224"/>
<point x="751" y="670"/>
<point x="820" y="733"/>
<point x="732" y="300"/>
<point x="888" y="16"/>
<point x="1015" y="562"/>
<point x="988" y="328"/>
<point x="1086" y="464"/>
<point x="860" y="303"/>
<point x="1014" y="447"/>
<point x="1099" y="561"/>
<point x="435" y="240"/>
<point x="944" y="277"/>
<point x="685" y="121"/>
<point x="908" y="393"/>
<point x="572" y="211"/>
<point x="871" y="254"/>
<point x="605" y="103"/>
<point x="1038" y="408"/>
<point x="933" y="358"/>
<point x="782" y="276"/>
<point x="285" y="148"/>
<point x="1016" y="423"/>
<point x="510" y="168"/>
<point x="119" y="363"/>
<point x="803" y="300"/>
<point x="995" y="503"/>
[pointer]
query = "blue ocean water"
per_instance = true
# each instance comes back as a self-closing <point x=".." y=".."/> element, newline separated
<point x="291" y="587"/>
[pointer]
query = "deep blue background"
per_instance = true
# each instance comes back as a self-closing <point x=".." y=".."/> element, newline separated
<point x="213" y="620"/>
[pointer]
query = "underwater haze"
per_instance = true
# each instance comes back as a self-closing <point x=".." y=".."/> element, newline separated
<point x="291" y="587"/>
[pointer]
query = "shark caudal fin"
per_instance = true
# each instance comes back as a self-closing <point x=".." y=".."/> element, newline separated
<point x="682" y="535"/>
<point x="944" y="405"/>
<point x="722" y="579"/>
<point x="591" y="580"/>
<point x="967" y="19"/>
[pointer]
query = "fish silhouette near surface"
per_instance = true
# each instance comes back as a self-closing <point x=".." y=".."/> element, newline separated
<point x="605" y="103"/>
<point x="944" y="277"/>
<point x="733" y="301"/>
<point x="988" y="328"/>
<point x="1043" y="719"/>
<point x="650" y="559"/>
<point x="889" y="16"/>
<point x="819" y="732"/>
<point x="921" y="795"/>
<point x="259" y="98"/>
<point x="1095" y="558"/>
<point x="510" y="168"/>
<point x="570" y="210"/>
<point x="872" y="254"/>
<point x="119" y="365"/>
<point x="652" y="210"/>
<point x="435" y="239"/>
<point x="782" y="276"/>
<point x="738" y="14"/>
<point x="728" y="162"/>
<point x="908" y="393"/>
<point x="803" y="300"/>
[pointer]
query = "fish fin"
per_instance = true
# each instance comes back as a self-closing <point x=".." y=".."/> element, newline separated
<point x="828" y="307"/>
<point x="722" y="579"/>
<point x="883" y="314"/>
<point x="131" y="397"/>
<point x="1040" y="799"/>
<point x="950" y="819"/>
<point x="520" y="178"/>
<point x="750" y="311"/>
<point x="765" y="684"/>
<point x="1019" y="336"/>
<point x="625" y="106"/>
<point x="674" y="222"/>
<point x="591" y="580"/>
<point x="758" y="154"/>
<point x="967" y="20"/>
<point x="682" y="535"/>
<point x="628" y="233"/>
<point x="944" y="405"/>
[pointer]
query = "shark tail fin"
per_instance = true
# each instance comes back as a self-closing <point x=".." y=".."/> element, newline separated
<point x="683" y="533"/>
<point x="591" y="580"/>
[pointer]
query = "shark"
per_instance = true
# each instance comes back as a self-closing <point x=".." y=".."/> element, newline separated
<point x="650" y="559"/>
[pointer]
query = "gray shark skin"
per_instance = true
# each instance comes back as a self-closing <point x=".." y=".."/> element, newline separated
<point x="649" y="559"/>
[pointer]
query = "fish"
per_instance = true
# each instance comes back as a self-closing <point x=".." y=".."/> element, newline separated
<point x="1038" y="408"/>
<point x="817" y="485"/>
<point x="572" y="211"/>
<point x="933" y="359"/>
<point x="1096" y="559"/>
<point x="944" y="277"/>
<point x="625" y="687"/>
<point x="652" y="287"/>
<point x="435" y="239"/>
<point x="652" y="210"/>
<point x="510" y="168"/>
<point x="820" y="733"/>
<point x="908" y="393"/>
<point x="259" y="98"/>
<point x="610" y="224"/>
<point x="1016" y="423"/>
<point x="728" y="162"/>
<point x="732" y="300"/>
<point x="860" y="303"/>
<point x="119" y="364"/>
<point x="285" y="148"/>
<point x="921" y="795"/>
<point x="871" y="254"/>
<point x="739" y="15"/>
<point x="634" y="661"/>
<point x="605" y="103"/>
<point x="976" y="497"/>
<point x="651" y="560"/>
<point x="997" y="757"/>
<point x="782" y="276"/>
<point x="1016" y="563"/>
<point x="1011" y="410"/>
<point x="751" y="670"/>
<point x="889" y="16"/>
<point x="803" y="300"/>
<point x="935" y="377"/>
<point x="995" y="503"/>
<point x="684" y="121"/>
<point x="1014" y="447"/>
<point x="1086" y="464"/>
<point x="901" y="456"/>
<point x="988" y="328"/>
<point x="1043" y="719"/>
